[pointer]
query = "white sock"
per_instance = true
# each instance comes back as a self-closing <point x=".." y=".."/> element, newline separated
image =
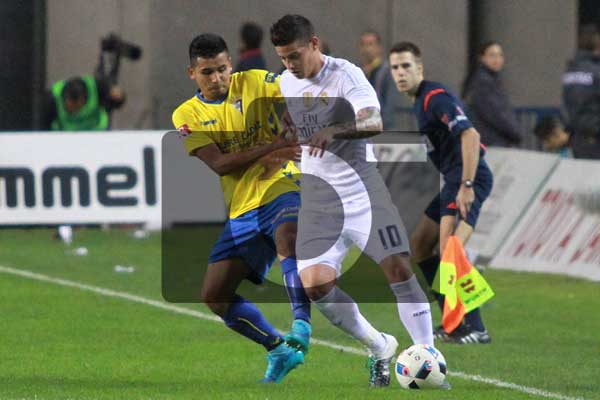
<point x="342" y="311"/>
<point x="414" y="310"/>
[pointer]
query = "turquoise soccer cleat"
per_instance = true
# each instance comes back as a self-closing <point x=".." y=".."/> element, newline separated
<point x="299" y="336"/>
<point x="282" y="360"/>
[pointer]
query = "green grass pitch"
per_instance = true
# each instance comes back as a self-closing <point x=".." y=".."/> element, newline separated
<point x="61" y="342"/>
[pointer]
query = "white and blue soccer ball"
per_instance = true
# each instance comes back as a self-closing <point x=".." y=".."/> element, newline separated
<point x="421" y="367"/>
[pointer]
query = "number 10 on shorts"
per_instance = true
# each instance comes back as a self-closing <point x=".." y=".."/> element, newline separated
<point x="389" y="234"/>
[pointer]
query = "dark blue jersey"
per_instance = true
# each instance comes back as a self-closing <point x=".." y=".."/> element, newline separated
<point x="441" y="118"/>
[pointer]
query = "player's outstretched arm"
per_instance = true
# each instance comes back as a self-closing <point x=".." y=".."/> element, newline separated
<point x="226" y="163"/>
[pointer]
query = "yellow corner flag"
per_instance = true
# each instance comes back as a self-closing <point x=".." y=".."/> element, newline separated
<point x="462" y="285"/>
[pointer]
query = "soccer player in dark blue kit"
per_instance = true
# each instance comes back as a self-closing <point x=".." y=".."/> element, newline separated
<point x="455" y="149"/>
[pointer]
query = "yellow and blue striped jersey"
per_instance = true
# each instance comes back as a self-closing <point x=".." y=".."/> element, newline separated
<point x="244" y="119"/>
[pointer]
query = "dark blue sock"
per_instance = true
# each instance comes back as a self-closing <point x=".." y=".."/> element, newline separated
<point x="473" y="319"/>
<point x="293" y="284"/>
<point x="430" y="266"/>
<point x="245" y="318"/>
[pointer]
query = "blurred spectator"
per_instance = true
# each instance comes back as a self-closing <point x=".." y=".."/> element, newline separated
<point x="581" y="79"/>
<point x="251" y="57"/>
<point x="489" y="107"/>
<point x="581" y="93"/>
<point x="371" y="54"/>
<point x="377" y="71"/>
<point x="81" y="104"/>
<point x="554" y="136"/>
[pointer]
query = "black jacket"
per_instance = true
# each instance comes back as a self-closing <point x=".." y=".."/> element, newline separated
<point x="580" y="81"/>
<point x="490" y="110"/>
<point x="581" y="98"/>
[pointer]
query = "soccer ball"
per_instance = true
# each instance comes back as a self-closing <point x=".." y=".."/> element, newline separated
<point x="421" y="366"/>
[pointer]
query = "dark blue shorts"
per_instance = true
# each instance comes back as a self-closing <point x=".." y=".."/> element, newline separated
<point x="445" y="202"/>
<point x="251" y="236"/>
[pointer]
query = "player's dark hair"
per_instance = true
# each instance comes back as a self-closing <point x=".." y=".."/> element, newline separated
<point x="206" y="45"/>
<point x="74" y="90"/>
<point x="372" y="32"/>
<point x="290" y="28"/>
<point x="545" y="127"/>
<point x="252" y="35"/>
<point x="409" y="47"/>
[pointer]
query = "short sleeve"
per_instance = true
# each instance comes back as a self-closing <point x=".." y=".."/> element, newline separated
<point x="200" y="135"/>
<point x="264" y="82"/>
<point x="271" y="84"/>
<point x="357" y="90"/>
<point x="443" y="108"/>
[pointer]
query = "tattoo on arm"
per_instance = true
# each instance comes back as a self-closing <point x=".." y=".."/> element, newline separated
<point x="368" y="123"/>
<point x="368" y="119"/>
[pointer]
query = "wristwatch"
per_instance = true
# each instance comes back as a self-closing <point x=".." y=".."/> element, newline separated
<point x="468" y="183"/>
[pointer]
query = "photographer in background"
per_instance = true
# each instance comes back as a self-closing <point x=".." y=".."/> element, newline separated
<point x="81" y="104"/>
<point x="84" y="103"/>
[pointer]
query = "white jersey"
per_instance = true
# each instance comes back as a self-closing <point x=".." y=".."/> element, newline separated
<point x="332" y="97"/>
<point x="359" y="209"/>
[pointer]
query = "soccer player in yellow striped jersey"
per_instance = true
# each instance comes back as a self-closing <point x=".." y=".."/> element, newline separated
<point x="240" y="121"/>
<point x="231" y="125"/>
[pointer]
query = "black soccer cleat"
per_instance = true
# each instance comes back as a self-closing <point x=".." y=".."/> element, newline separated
<point x="440" y="334"/>
<point x="465" y="335"/>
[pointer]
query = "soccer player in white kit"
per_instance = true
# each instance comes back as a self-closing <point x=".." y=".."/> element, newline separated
<point x="344" y="200"/>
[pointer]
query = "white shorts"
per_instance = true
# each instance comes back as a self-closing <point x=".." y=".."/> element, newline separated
<point x="370" y="221"/>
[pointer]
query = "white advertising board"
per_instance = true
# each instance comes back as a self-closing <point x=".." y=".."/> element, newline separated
<point x="518" y="175"/>
<point x="556" y="235"/>
<point x="101" y="177"/>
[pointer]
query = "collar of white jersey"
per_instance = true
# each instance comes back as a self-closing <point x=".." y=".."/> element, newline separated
<point x="321" y="72"/>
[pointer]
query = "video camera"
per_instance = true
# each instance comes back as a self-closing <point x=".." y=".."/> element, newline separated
<point x="114" y="44"/>
<point x="112" y="48"/>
